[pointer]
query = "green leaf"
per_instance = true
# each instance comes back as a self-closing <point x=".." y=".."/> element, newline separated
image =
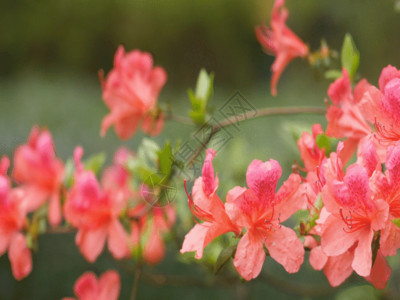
<point x="69" y="170"/>
<point x="165" y="159"/>
<point x="199" y="98"/>
<point x="223" y="257"/>
<point x="350" y="55"/>
<point x="327" y="143"/>
<point x="333" y="74"/>
<point x="204" y="85"/>
<point x="396" y="222"/>
<point x="95" y="162"/>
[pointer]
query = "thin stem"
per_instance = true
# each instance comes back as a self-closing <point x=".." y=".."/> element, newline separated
<point x="272" y="111"/>
<point x="269" y="111"/>
<point x="136" y="279"/>
<point x="181" y="119"/>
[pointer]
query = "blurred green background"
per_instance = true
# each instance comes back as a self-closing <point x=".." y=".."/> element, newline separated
<point x="51" y="51"/>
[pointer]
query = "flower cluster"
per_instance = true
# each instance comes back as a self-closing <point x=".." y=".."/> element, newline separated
<point x="254" y="214"/>
<point x="353" y="210"/>
<point x="95" y="208"/>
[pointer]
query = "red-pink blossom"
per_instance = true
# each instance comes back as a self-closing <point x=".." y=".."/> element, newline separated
<point x="147" y="229"/>
<point x="95" y="213"/>
<point x="381" y="107"/>
<point x="88" y="287"/>
<point x="208" y="207"/>
<point x="355" y="214"/>
<point x="260" y="210"/>
<point x="131" y="92"/>
<point x="280" y="41"/>
<point x="12" y="221"/>
<point x="345" y="117"/>
<point x="314" y="159"/>
<point x="40" y="173"/>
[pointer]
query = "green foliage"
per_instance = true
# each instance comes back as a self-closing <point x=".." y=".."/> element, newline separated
<point x="165" y="159"/>
<point x="327" y="143"/>
<point x="364" y="292"/>
<point x="224" y="257"/>
<point x="95" y="162"/>
<point x="350" y="55"/>
<point x="396" y="222"/>
<point x="333" y="74"/>
<point x="199" y="98"/>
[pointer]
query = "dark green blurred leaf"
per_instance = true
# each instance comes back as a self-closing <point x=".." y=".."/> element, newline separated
<point x="224" y="257"/>
<point x="333" y="74"/>
<point x="365" y="292"/>
<point x="350" y="55"/>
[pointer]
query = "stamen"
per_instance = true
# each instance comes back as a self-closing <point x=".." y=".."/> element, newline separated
<point x="197" y="211"/>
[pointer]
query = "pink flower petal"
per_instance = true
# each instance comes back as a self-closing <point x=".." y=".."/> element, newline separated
<point x="250" y="255"/>
<point x="20" y="257"/>
<point x="110" y="286"/>
<point x="318" y="258"/>
<point x="285" y="248"/>
<point x="335" y="240"/>
<point x="289" y="199"/>
<point x="338" y="268"/>
<point x="262" y="178"/>
<point x="91" y="242"/>
<point x="380" y="272"/>
<point x="362" y="261"/>
<point x="117" y="240"/>
<point x="87" y="288"/>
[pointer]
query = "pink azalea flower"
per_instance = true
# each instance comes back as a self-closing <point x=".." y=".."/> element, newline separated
<point x="40" y="173"/>
<point x="130" y="91"/>
<point x="152" y="224"/>
<point x="345" y="117"/>
<point x="116" y="178"/>
<point x="95" y="213"/>
<point x="356" y="214"/>
<point x="387" y="187"/>
<point x="313" y="159"/>
<point x="260" y="210"/>
<point x="12" y="221"/>
<point x="381" y="107"/>
<point x="87" y="287"/>
<point x="155" y="224"/>
<point x="280" y="41"/>
<point x="208" y="207"/>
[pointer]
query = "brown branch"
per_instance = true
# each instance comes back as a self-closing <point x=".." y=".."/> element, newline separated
<point x="269" y="111"/>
